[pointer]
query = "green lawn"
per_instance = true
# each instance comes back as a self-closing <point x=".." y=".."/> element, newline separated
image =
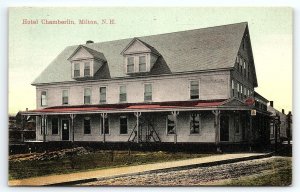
<point x="91" y="161"/>
<point x="279" y="175"/>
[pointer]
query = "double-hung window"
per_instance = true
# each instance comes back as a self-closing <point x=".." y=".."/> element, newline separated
<point x="123" y="125"/>
<point x="194" y="89"/>
<point x="87" y="125"/>
<point x="195" y="123"/>
<point x="76" y="70"/>
<point x="44" y="98"/>
<point x="87" y="95"/>
<point x="87" y="69"/>
<point x="170" y="125"/>
<point x="54" y="126"/>
<point x="123" y="94"/>
<point x="65" y="97"/>
<point x="148" y="92"/>
<point x="130" y="64"/>
<point x="142" y="63"/>
<point x="102" y="94"/>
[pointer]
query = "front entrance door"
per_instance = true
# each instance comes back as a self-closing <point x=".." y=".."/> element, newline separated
<point x="224" y="126"/>
<point x="65" y="129"/>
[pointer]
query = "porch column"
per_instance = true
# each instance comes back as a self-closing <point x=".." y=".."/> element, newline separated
<point x="44" y="119"/>
<point x="250" y="132"/>
<point x="72" y="125"/>
<point x="137" y="114"/>
<point x="103" y="115"/>
<point x="175" y="113"/>
<point x="217" y="127"/>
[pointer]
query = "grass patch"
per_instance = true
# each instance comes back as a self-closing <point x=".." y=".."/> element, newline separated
<point x="91" y="161"/>
<point x="279" y="175"/>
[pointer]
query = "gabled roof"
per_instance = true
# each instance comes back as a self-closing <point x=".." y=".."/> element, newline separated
<point x="185" y="51"/>
<point x="95" y="54"/>
<point x="152" y="49"/>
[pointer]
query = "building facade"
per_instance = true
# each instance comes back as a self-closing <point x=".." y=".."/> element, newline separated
<point x="192" y="86"/>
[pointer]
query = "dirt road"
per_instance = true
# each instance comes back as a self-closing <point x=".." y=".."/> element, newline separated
<point x="214" y="175"/>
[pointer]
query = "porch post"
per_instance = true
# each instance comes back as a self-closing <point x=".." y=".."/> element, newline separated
<point x="217" y="128"/>
<point x="250" y="132"/>
<point x="137" y="114"/>
<point x="175" y="113"/>
<point x="72" y="125"/>
<point x="44" y="119"/>
<point x="103" y="115"/>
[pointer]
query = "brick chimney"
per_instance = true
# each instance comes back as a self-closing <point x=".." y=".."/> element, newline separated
<point x="89" y="41"/>
<point x="272" y="103"/>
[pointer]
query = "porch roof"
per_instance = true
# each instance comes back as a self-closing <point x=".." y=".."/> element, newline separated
<point x="140" y="107"/>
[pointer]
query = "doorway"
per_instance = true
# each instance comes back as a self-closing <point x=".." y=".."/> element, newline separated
<point x="224" y="128"/>
<point x="65" y="129"/>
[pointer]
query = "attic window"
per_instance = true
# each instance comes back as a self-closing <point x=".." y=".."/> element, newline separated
<point x="130" y="64"/>
<point x="76" y="70"/>
<point x="87" y="69"/>
<point x="142" y="64"/>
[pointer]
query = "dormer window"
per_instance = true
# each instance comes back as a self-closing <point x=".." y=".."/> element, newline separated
<point x="87" y="71"/>
<point x="142" y="63"/>
<point x="86" y="62"/>
<point x="130" y="64"/>
<point x="76" y="70"/>
<point x="139" y="57"/>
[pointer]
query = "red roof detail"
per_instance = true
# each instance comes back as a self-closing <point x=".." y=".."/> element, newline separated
<point x="111" y="107"/>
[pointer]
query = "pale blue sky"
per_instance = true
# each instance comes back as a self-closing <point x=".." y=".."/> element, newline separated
<point x="33" y="47"/>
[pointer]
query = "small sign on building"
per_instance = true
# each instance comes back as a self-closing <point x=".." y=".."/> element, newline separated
<point x="253" y="112"/>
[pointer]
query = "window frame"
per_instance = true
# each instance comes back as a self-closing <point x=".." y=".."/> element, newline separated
<point x="190" y="86"/>
<point x="62" y="96"/>
<point x="85" y="68"/>
<point x="84" y="126"/>
<point x="122" y="94"/>
<point x="167" y="125"/>
<point x="103" y="101"/>
<point x="76" y="70"/>
<point x="90" y="100"/>
<point x="232" y="88"/>
<point x="145" y="63"/>
<point x="44" y="100"/>
<point x="198" y="115"/>
<point x="120" y="125"/>
<point x="127" y="64"/>
<point x="57" y="125"/>
<point x="145" y="93"/>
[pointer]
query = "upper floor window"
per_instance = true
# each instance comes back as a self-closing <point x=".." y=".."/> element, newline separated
<point x="194" y="89"/>
<point x="87" y="70"/>
<point x="54" y="125"/>
<point x="241" y="89"/>
<point x="123" y="95"/>
<point x="148" y="92"/>
<point x="76" y="70"/>
<point x="87" y="125"/>
<point x="123" y="125"/>
<point x="44" y="98"/>
<point x="130" y="64"/>
<point x="65" y="97"/>
<point x="87" y="95"/>
<point x="142" y="63"/>
<point x="195" y="123"/>
<point x="238" y="90"/>
<point x="102" y="94"/>
<point x="170" y="124"/>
